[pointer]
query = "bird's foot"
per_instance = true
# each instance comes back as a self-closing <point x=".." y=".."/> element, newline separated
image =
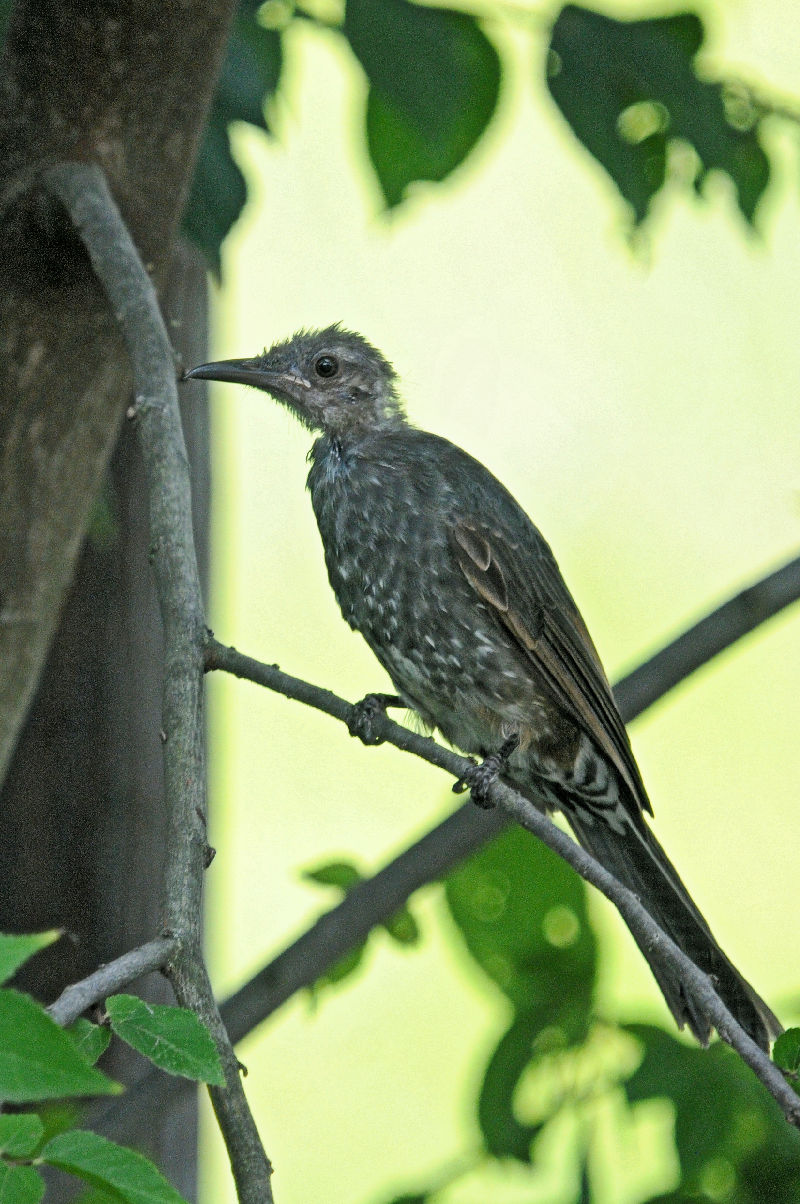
<point x="361" y="720"/>
<point x="479" y="779"/>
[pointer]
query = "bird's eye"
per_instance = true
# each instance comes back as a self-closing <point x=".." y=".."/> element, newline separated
<point x="326" y="365"/>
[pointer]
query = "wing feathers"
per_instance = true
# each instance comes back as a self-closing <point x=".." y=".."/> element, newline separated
<point x="480" y="568"/>
<point x="526" y="592"/>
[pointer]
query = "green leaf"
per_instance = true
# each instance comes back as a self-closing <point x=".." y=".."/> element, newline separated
<point x="434" y="81"/>
<point x="403" y="928"/>
<point x="522" y="913"/>
<point x="721" y="1112"/>
<point x="38" y="1060"/>
<point x="20" y="1133"/>
<point x="171" y="1037"/>
<point x="20" y="1185"/>
<point x="105" y="1164"/>
<point x="250" y="75"/>
<point x="57" y="1117"/>
<point x="15" y="950"/>
<point x="786" y="1051"/>
<point x="504" y="1134"/>
<point x="91" y="1040"/>
<point x="628" y="88"/>
<point x="342" y="874"/>
<point x="339" y="970"/>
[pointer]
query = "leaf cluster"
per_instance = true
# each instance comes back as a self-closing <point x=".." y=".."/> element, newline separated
<point x="632" y="92"/>
<point x="523" y="919"/>
<point x="402" y="927"/>
<point x="41" y="1062"/>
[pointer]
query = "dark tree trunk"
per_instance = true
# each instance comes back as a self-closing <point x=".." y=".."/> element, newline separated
<point x="82" y="806"/>
<point x="127" y="86"/>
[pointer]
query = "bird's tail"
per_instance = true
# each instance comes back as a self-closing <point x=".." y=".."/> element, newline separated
<point x="637" y="860"/>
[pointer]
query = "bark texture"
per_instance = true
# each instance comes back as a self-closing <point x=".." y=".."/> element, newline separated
<point x="84" y="826"/>
<point x="127" y="86"/>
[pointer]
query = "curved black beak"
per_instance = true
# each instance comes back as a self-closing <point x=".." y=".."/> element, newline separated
<point x="239" y="372"/>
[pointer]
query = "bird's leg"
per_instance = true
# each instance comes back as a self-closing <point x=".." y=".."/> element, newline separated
<point x="362" y="716"/>
<point x="479" y="779"/>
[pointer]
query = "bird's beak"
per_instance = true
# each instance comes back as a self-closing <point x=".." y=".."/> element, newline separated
<point x="239" y="372"/>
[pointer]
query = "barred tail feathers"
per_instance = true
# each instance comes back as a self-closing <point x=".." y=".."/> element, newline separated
<point x="637" y="860"/>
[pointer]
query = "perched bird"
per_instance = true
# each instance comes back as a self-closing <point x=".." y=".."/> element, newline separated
<point x="459" y="597"/>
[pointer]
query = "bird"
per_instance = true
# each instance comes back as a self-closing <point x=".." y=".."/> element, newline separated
<point x="461" y="600"/>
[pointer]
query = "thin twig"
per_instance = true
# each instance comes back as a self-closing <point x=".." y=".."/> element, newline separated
<point x="644" y="929"/>
<point x="111" y="977"/>
<point x="83" y="191"/>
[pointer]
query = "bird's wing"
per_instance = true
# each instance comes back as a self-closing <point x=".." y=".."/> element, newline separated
<point x="521" y="584"/>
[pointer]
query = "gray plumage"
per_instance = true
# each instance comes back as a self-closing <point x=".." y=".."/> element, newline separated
<point x="460" y="598"/>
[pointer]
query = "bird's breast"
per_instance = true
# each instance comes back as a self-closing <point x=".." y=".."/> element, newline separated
<point x="392" y="568"/>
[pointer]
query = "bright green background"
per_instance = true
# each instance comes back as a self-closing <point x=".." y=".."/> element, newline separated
<point x="643" y="408"/>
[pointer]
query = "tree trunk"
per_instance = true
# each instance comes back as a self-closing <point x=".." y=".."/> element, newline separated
<point x="83" y="817"/>
<point x="127" y="86"/>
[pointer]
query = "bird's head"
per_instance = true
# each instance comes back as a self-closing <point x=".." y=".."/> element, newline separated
<point x="333" y="380"/>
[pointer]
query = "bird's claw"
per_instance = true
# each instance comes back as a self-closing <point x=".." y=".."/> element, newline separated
<point x="361" y="720"/>
<point x="479" y="779"/>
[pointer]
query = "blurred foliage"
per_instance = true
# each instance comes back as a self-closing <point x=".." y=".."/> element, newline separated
<point x="635" y="95"/>
<point x="628" y="88"/>
<point x="786" y="1054"/>
<point x="250" y="74"/>
<point x="402" y="927"/>
<point x="434" y="79"/>
<point x="726" y="1125"/>
<point x="522" y="915"/>
<point x="631" y="91"/>
<point x="521" y="912"/>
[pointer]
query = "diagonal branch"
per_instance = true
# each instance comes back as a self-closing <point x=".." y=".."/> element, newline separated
<point x="645" y="930"/>
<point x="376" y="899"/>
<point x="83" y="191"/>
<point x="466" y="830"/>
<point x="713" y="634"/>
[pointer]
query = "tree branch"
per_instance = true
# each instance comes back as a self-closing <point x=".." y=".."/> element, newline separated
<point x="642" y="926"/>
<point x="376" y="899"/>
<point x="468" y="829"/>
<point x="79" y="996"/>
<point x="707" y="638"/>
<point x="83" y="191"/>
